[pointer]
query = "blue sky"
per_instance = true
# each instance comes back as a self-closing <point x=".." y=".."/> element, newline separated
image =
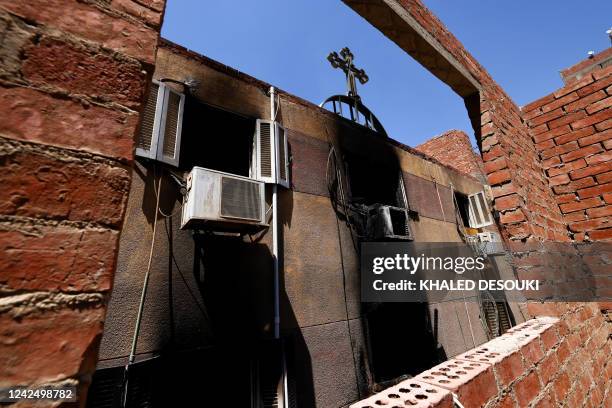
<point x="523" y="44"/>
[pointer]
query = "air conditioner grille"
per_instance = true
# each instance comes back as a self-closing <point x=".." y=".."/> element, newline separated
<point x="265" y="141"/>
<point x="281" y="149"/>
<point x="240" y="199"/>
<point x="148" y="119"/>
<point x="170" y="131"/>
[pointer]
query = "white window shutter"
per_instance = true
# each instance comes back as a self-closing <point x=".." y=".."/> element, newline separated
<point x="169" y="141"/>
<point x="266" y="151"/>
<point x="479" y="211"/>
<point x="283" y="155"/>
<point x="146" y="143"/>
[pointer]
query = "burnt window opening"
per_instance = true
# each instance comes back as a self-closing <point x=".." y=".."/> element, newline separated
<point x="216" y="139"/>
<point x="372" y="182"/>
<point x="463" y="208"/>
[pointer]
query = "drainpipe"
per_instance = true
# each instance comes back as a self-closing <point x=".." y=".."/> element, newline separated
<point x="275" y="233"/>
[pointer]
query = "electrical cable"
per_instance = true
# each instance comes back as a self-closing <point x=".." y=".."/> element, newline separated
<point x="193" y="296"/>
<point x="145" y="285"/>
<point x="157" y="194"/>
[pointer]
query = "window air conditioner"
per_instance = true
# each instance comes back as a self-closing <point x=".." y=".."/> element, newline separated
<point x="387" y="222"/>
<point x="159" y="137"/>
<point x="479" y="211"/>
<point x="490" y="243"/>
<point x="223" y="202"/>
<point x="270" y="159"/>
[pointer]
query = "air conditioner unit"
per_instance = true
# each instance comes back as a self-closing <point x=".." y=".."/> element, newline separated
<point x="387" y="222"/>
<point x="479" y="212"/>
<point x="159" y="137"/>
<point x="225" y="202"/>
<point x="490" y="243"/>
<point x="270" y="158"/>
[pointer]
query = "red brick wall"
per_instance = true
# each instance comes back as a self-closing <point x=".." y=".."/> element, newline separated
<point x="454" y="149"/>
<point x="72" y="77"/>
<point x="522" y="196"/>
<point x="543" y="362"/>
<point x="572" y="131"/>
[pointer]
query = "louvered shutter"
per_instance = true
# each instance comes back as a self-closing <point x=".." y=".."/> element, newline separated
<point x="283" y="155"/>
<point x="146" y="143"/>
<point x="266" y="151"/>
<point x="169" y="145"/>
<point x="479" y="212"/>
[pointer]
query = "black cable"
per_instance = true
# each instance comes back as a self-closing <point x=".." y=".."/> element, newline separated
<point x="193" y="296"/>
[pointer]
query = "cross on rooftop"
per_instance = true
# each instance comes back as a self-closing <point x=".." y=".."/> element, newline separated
<point x="345" y="62"/>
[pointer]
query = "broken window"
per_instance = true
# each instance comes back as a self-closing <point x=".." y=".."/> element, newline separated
<point x="216" y="139"/>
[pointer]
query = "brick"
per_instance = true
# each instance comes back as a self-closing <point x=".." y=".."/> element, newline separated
<point x="473" y="382"/>
<point x="548" y="368"/>
<point x="82" y="71"/>
<point x="57" y="258"/>
<point x="494" y="165"/>
<point x="590" y="171"/>
<point x="579" y="205"/>
<point x="605" y="125"/>
<point x="566" y="168"/>
<point x="598" y="223"/>
<point x="38" y="117"/>
<point x="591" y="120"/>
<point x="597" y="106"/>
<point x="54" y="186"/>
<point x="595" y="190"/>
<point x="548" y="163"/>
<point x="597" y="137"/>
<point x="508" y="369"/>
<point x="547" y="135"/>
<point x="539" y="129"/>
<point x="595" y="86"/>
<point x="414" y="393"/>
<point x="575" y="135"/>
<point x="545" y="145"/>
<point x="600" y="158"/>
<point x="538" y="103"/>
<point x="573" y="87"/>
<point x="499" y="177"/>
<point x="560" y="102"/>
<point x="493" y="153"/>
<point x="601" y="234"/>
<point x="149" y="15"/>
<point x="559" y="180"/>
<point x="585" y="101"/>
<point x="604" y="178"/>
<point x="72" y="333"/>
<point x="86" y="21"/>
<point x="575" y="216"/>
<point x="607" y="198"/>
<point x="157" y="5"/>
<point x="546" y="117"/>
<point x="558" y="150"/>
<point x="567" y="119"/>
<point x="507" y="202"/>
<point x="583" y="152"/>
<point x="511" y="217"/>
<point x="566" y="198"/>
<point x="527" y="389"/>
<point x="503" y="190"/>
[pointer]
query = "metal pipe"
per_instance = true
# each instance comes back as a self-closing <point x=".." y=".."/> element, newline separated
<point x="275" y="233"/>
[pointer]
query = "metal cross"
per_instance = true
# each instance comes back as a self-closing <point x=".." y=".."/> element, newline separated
<point x="345" y="62"/>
